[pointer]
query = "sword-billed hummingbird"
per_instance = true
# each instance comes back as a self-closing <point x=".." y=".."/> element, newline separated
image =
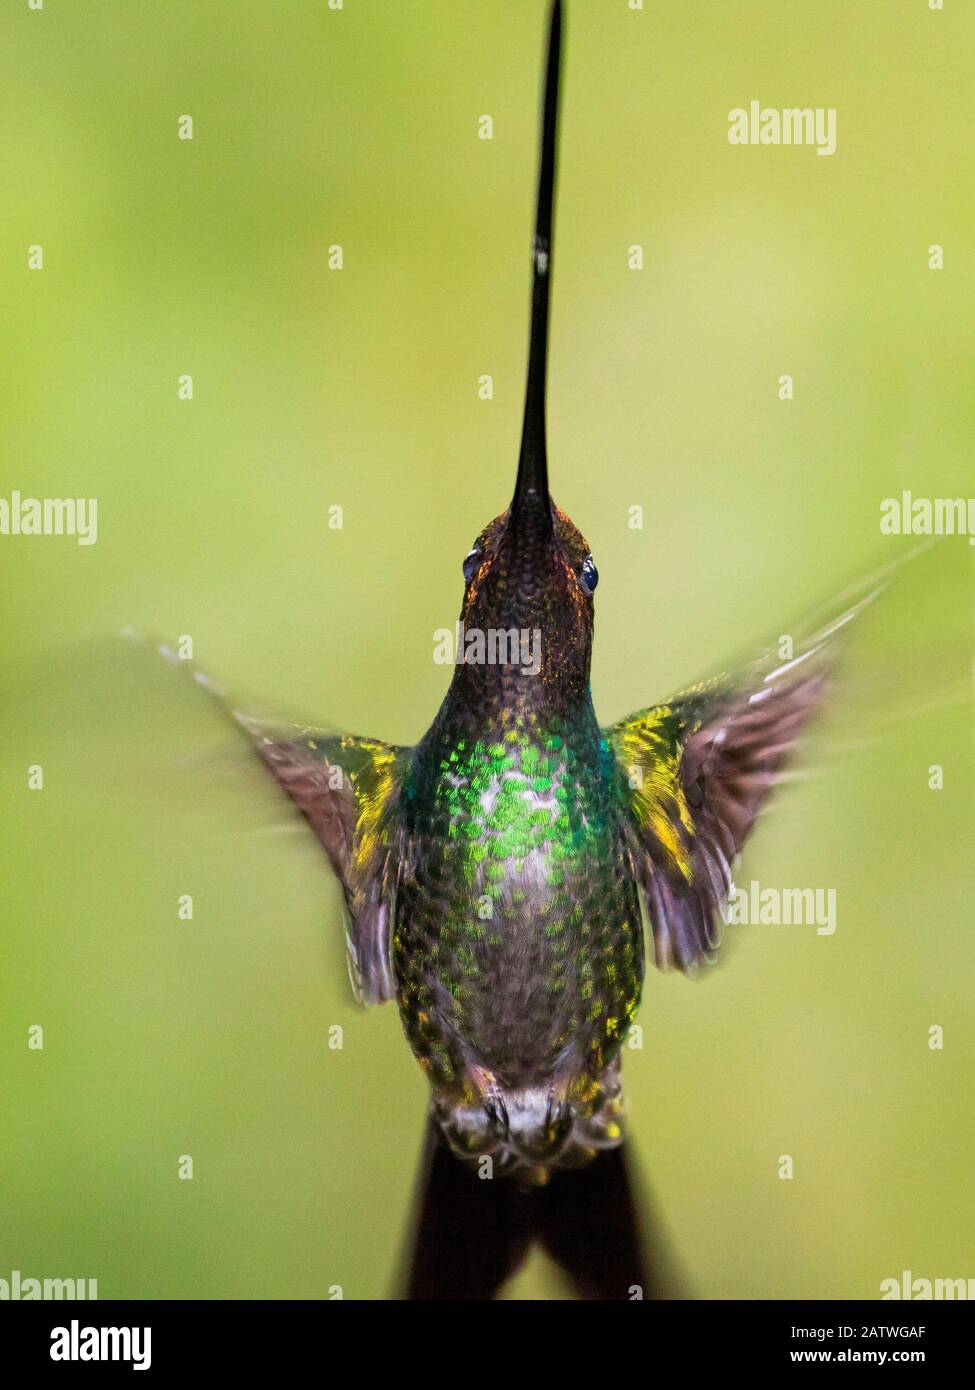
<point x="494" y="872"/>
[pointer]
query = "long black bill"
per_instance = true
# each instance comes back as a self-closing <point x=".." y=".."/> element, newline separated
<point x="532" y="483"/>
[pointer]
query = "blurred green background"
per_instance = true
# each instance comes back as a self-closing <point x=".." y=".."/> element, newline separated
<point x="358" y="388"/>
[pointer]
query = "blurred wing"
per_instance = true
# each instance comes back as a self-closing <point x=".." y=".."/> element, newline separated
<point x="693" y="775"/>
<point x="347" y="789"/>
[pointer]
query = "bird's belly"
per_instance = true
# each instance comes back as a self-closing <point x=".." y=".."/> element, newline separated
<point x="518" y="961"/>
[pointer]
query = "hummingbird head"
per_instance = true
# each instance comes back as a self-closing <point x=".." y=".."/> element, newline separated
<point x="529" y="582"/>
<point x="530" y="574"/>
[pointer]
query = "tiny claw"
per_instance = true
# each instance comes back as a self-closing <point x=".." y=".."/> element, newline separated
<point x="492" y="1098"/>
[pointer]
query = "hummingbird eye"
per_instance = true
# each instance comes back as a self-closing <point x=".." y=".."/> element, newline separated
<point x="589" y="574"/>
<point x="471" y="563"/>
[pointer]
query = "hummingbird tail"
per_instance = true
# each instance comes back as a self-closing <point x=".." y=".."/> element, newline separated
<point x="470" y="1235"/>
<point x="473" y="1234"/>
